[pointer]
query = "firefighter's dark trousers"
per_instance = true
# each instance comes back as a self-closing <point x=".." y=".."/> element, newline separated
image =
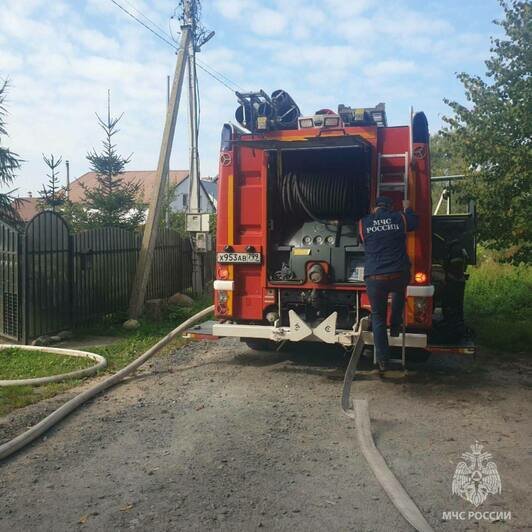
<point x="378" y="290"/>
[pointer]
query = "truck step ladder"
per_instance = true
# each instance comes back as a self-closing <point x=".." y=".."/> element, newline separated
<point x="400" y="184"/>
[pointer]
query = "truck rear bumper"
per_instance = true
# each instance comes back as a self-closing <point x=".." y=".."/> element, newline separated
<point x="299" y="331"/>
<point x="343" y="337"/>
<point x="211" y="330"/>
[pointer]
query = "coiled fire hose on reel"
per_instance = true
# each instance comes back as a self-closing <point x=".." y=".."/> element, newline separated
<point x="49" y="421"/>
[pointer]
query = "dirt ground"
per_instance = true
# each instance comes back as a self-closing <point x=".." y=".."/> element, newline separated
<point x="218" y="437"/>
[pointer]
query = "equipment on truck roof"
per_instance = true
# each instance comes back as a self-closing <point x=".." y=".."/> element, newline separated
<point x="363" y="116"/>
<point x="259" y="112"/>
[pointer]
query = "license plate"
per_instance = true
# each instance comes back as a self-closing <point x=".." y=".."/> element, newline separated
<point x="238" y="258"/>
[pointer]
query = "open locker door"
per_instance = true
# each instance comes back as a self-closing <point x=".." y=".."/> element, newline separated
<point x="453" y="250"/>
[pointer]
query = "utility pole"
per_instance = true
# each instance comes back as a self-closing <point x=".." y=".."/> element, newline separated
<point x="193" y="206"/>
<point x="142" y="275"/>
<point x="199" y="38"/>
<point x="168" y="186"/>
<point x="67" y="164"/>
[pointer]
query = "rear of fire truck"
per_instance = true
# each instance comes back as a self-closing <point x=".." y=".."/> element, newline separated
<point x="292" y="188"/>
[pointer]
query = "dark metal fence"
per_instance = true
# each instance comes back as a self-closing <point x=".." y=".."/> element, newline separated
<point x="51" y="279"/>
<point x="170" y="252"/>
<point x="9" y="282"/>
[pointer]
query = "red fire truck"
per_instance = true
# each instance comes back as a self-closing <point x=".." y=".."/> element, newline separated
<point x="291" y="189"/>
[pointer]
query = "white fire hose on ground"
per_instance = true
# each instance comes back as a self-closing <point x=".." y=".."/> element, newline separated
<point x="358" y="410"/>
<point x="49" y="421"/>
<point x="384" y="475"/>
<point x="101" y="363"/>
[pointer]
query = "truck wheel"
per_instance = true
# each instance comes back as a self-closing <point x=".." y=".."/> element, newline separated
<point x="259" y="344"/>
<point x="415" y="355"/>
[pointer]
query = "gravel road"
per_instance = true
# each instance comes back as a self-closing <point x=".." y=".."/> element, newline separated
<point x="218" y="437"/>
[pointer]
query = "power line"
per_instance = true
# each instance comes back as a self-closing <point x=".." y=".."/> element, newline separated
<point x="228" y="79"/>
<point x="204" y="66"/>
<point x="145" y="25"/>
<point x="145" y="16"/>
<point x="215" y="77"/>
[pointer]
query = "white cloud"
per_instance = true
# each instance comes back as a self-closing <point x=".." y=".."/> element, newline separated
<point x="267" y="22"/>
<point x="408" y="23"/>
<point x="233" y="9"/>
<point x="350" y="8"/>
<point x="10" y="62"/>
<point x="388" y="68"/>
<point x="95" y="41"/>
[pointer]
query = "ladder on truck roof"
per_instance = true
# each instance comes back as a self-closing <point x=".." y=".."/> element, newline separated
<point x="392" y="185"/>
<point x="401" y="184"/>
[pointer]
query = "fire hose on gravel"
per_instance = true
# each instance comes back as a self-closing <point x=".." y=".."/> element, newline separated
<point x="358" y="410"/>
<point x="101" y="363"/>
<point x="49" y="421"/>
<point x="395" y="491"/>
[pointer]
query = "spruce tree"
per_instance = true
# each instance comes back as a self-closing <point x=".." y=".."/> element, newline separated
<point x="52" y="196"/>
<point x="113" y="202"/>
<point x="9" y="164"/>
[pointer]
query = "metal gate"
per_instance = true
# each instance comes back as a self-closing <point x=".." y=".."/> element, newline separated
<point x="47" y="263"/>
<point x="10" y="278"/>
<point x="104" y="263"/>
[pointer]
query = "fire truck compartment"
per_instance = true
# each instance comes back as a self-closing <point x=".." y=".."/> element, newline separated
<point x="317" y="196"/>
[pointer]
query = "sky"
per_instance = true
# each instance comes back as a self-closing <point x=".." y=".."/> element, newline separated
<point x="62" y="56"/>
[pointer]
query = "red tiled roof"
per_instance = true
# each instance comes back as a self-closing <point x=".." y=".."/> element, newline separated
<point x="27" y="208"/>
<point x="146" y="178"/>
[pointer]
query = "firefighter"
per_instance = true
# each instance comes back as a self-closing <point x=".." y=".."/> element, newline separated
<point x="386" y="268"/>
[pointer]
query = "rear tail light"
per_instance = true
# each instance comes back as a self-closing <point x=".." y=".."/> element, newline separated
<point x="222" y="302"/>
<point x="420" y="277"/>
<point x="223" y="296"/>
<point x="421" y="308"/>
<point x="222" y="272"/>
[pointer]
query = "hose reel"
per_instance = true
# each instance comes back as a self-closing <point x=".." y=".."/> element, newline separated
<point x="322" y="197"/>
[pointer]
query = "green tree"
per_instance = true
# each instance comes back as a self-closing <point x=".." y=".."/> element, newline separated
<point x="443" y="158"/>
<point x="493" y="136"/>
<point x="113" y="202"/>
<point x="445" y="161"/>
<point x="52" y="195"/>
<point x="9" y="164"/>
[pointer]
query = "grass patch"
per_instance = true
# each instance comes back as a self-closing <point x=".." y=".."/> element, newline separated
<point x="14" y="397"/>
<point x="21" y="364"/>
<point x="497" y="305"/>
<point x="128" y="346"/>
